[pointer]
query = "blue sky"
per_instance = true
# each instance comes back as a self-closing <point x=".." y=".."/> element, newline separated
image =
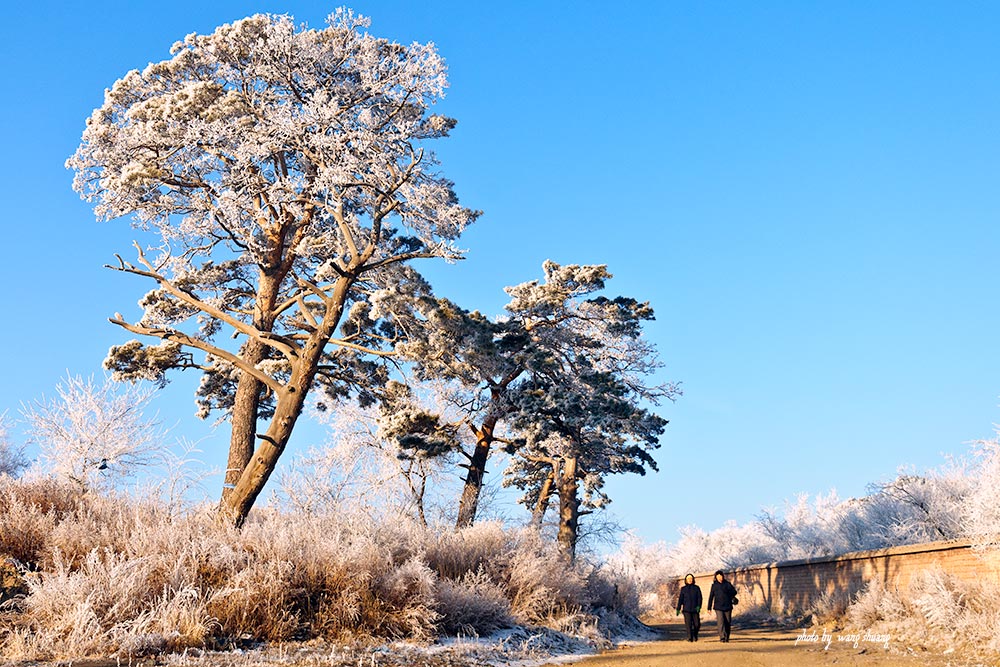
<point x="805" y="192"/>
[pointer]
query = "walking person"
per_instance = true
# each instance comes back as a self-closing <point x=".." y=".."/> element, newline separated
<point x="722" y="597"/>
<point x="689" y="601"/>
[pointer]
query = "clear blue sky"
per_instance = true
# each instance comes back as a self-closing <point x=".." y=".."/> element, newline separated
<point x="805" y="192"/>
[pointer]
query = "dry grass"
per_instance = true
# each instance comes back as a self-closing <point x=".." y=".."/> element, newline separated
<point x="936" y="611"/>
<point x="829" y="607"/>
<point x="116" y="577"/>
<point x="473" y="605"/>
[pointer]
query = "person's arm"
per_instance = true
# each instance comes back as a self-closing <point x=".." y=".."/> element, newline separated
<point x="697" y="599"/>
<point x="711" y="597"/>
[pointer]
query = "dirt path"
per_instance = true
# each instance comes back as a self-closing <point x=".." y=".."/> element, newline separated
<point x="756" y="647"/>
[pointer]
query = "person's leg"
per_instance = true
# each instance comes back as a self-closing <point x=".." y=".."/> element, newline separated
<point x="729" y="622"/>
<point x="696" y="618"/>
<point x="720" y="619"/>
<point x="689" y="625"/>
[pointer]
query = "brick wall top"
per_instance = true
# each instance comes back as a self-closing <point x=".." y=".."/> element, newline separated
<point x="926" y="547"/>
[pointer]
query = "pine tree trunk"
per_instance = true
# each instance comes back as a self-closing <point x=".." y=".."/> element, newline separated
<point x="246" y="402"/>
<point x="542" y="504"/>
<point x="569" y="508"/>
<point x="235" y="505"/>
<point x="473" y="487"/>
<point x="246" y="408"/>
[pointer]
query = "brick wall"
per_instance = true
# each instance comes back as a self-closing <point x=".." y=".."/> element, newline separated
<point x="794" y="586"/>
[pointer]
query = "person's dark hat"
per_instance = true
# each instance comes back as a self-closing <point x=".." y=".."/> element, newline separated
<point x="720" y="572"/>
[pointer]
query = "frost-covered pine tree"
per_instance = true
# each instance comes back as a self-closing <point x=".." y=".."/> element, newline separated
<point x="580" y="410"/>
<point x="478" y="361"/>
<point x="493" y="362"/>
<point x="283" y="169"/>
<point x="578" y="433"/>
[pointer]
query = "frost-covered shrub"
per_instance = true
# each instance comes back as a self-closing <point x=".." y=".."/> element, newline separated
<point x="936" y="610"/>
<point x="472" y="605"/>
<point x="542" y="585"/>
<point x="407" y="593"/>
<point x="24" y="530"/>
<point x="484" y="546"/>
<point x="611" y="588"/>
<point x="873" y="604"/>
<point x="651" y="570"/>
<point x="31" y="510"/>
<point x="829" y="607"/>
<point x="111" y="602"/>
<point x="982" y="508"/>
<point x="128" y="578"/>
<point x="12" y="457"/>
<point x="94" y="435"/>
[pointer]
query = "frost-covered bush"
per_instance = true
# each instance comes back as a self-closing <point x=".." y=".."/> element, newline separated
<point x="474" y="604"/>
<point x="12" y="456"/>
<point x="485" y="546"/>
<point x="874" y="604"/>
<point x="115" y="576"/>
<point x="936" y="610"/>
<point x="828" y="607"/>
<point x="30" y="513"/>
<point x="611" y="588"/>
<point x="541" y="584"/>
<point x="94" y="434"/>
<point x="982" y="508"/>
<point x="650" y="569"/>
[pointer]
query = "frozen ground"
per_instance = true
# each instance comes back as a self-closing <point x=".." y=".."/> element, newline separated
<point x="514" y="647"/>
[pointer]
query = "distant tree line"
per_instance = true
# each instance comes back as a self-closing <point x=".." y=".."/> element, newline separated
<point x="959" y="500"/>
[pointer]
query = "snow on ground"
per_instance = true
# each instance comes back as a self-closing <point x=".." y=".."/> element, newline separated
<point x="514" y="647"/>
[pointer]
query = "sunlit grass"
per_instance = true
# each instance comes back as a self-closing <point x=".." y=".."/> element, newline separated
<point x="116" y="576"/>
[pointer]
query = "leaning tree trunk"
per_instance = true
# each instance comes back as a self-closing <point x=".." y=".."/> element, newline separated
<point x="291" y="399"/>
<point x="237" y="503"/>
<point x="246" y="402"/>
<point x="542" y="503"/>
<point x="473" y="487"/>
<point x="246" y="408"/>
<point x="569" y="508"/>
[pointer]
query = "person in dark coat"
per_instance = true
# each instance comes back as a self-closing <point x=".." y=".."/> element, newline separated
<point x="689" y="601"/>
<point x="721" y="597"/>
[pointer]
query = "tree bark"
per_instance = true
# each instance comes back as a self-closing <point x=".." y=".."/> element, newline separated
<point x="246" y="402"/>
<point x="542" y="504"/>
<point x="473" y="487"/>
<point x="235" y="505"/>
<point x="246" y="408"/>
<point x="569" y="508"/>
